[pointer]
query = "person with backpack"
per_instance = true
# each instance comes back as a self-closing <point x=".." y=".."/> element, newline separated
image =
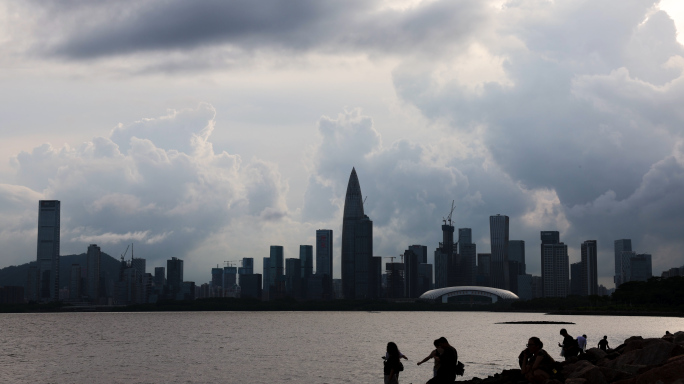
<point x="392" y="364"/>
<point x="570" y="345"/>
<point x="448" y="363"/>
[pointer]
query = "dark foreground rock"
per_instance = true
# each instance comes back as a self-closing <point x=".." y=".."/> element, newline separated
<point x="636" y="361"/>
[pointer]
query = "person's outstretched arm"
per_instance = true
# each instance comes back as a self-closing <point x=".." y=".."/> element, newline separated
<point x="432" y="354"/>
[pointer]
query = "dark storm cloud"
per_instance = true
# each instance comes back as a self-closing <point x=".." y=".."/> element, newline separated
<point x="590" y="113"/>
<point x="295" y="25"/>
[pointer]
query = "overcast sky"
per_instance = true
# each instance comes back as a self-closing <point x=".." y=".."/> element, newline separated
<point x="211" y="130"/>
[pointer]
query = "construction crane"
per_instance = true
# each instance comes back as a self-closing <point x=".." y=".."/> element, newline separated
<point x="448" y="219"/>
<point x="229" y="263"/>
<point x="364" y="200"/>
<point x="123" y="255"/>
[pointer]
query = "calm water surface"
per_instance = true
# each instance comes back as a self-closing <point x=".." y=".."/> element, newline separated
<point x="276" y="347"/>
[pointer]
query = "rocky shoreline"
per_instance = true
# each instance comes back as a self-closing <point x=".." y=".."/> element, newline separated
<point x="636" y="361"/>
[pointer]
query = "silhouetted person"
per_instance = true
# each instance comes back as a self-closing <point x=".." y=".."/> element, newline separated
<point x="582" y="343"/>
<point x="603" y="343"/>
<point x="434" y="355"/>
<point x="447" y="363"/>
<point x="570" y="346"/>
<point x="535" y="363"/>
<point x="392" y="364"/>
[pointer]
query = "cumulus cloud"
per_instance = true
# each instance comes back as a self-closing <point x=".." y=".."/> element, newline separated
<point x="157" y="182"/>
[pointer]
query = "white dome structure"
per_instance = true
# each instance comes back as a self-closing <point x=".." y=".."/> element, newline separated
<point x="444" y="294"/>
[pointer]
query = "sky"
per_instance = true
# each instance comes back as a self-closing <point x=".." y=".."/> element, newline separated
<point x="211" y="130"/>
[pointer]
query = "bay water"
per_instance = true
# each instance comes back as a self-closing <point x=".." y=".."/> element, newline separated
<point x="278" y="347"/>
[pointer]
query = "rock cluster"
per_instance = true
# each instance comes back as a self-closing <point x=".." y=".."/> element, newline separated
<point x="636" y="361"/>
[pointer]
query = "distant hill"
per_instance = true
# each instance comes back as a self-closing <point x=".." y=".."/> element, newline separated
<point x="16" y="275"/>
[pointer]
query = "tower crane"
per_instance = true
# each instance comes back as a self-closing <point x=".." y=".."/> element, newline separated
<point x="123" y="255"/>
<point x="448" y="218"/>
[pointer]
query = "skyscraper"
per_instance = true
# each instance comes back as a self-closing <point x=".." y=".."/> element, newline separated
<point x="576" y="278"/>
<point x="306" y="260"/>
<point x="174" y="276"/>
<point x="293" y="276"/>
<point x="421" y="252"/>
<point x="498" y="231"/>
<point x="641" y="268"/>
<point x="484" y="268"/>
<point x="589" y="268"/>
<point x="441" y="269"/>
<point x="554" y="264"/>
<point x="266" y="277"/>
<point x="159" y="277"/>
<point x="48" y="250"/>
<point x="357" y="242"/>
<point x="93" y="259"/>
<point x="411" y="274"/>
<point x="622" y="245"/>
<point x="516" y="252"/>
<point x="217" y="277"/>
<point x="467" y="258"/>
<point x="324" y="252"/>
<point x="447" y="247"/>
<point x="276" y="264"/>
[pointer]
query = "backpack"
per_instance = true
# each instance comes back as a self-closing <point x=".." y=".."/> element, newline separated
<point x="460" y="369"/>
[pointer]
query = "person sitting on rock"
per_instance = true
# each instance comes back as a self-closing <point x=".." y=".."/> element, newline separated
<point x="535" y="363"/>
<point x="603" y="344"/>
<point x="570" y="346"/>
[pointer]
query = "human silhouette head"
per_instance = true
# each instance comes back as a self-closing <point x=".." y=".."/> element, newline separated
<point x="392" y="349"/>
<point x="563" y="332"/>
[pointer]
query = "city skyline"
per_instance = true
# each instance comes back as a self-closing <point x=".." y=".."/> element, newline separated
<point x="230" y="141"/>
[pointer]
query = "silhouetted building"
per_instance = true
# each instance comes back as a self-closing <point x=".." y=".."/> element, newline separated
<point x="424" y="278"/>
<point x="537" y="287"/>
<point x="216" y="277"/>
<point x="293" y="275"/>
<point x="576" y="278"/>
<point x="357" y="243"/>
<point x="75" y="288"/>
<point x="395" y="280"/>
<point x="589" y="268"/>
<point x="448" y="249"/>
<point x="324" y="252"/>
<point x="525" y="287"/>
<point x="641" y="268"/>
<point x="229" y="278"/>
<point x="139" y="264"/>
<point x="554" y="265"/>
<point x="174" y="276"/>
<point x="48" y="250"/>
<point x="441" y="269"/>
<point x="484" y="267"/>
<point x="187" y="291"/>
<point x="620" y="246"/>
<point x="411" y="274"/>
<point x="421" y="252"/>
<point x="498" y="230"/>
<point x="159" y="278"/>
<point x="93" y="259"/>
<point x="466" y="273"/>
<point x="276" y="263"/>
<point x="516" y="252"/>
<point x="375" y="278"/>
<point x="266" y="278"/>
<point x="250" y="286"/>
<point x="306" y="260"/>
<point x="247" y="266"/>
<point x="11" y="295"/>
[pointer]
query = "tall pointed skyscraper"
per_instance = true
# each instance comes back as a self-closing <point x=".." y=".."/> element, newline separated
<point x="357" y="242"/>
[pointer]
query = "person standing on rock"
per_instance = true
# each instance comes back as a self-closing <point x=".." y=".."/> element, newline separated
<point x="603" y="344"/>
<point x="535" y="363"/>
<point x="582" y="343"/>
<point x="570" y="346"/>
<point x="448" y="360"/>
<point x="434" y="355"/>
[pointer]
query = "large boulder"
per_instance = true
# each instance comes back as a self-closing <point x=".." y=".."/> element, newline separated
<point x="584" y="370"/>
<point x="678" y="337"/>
<point x="672" y="372"/>
<point x="653" y="353"/>
<point x="595" y="354"/>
